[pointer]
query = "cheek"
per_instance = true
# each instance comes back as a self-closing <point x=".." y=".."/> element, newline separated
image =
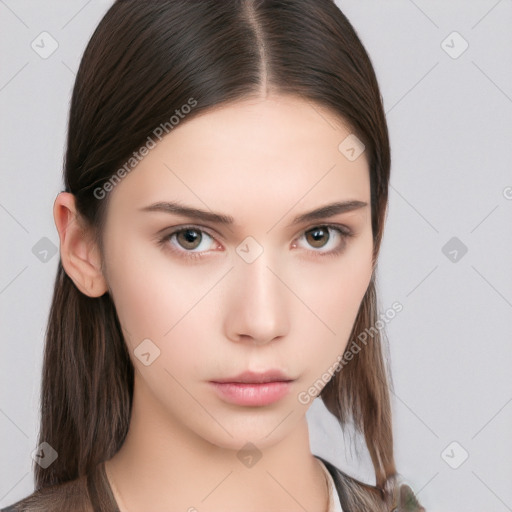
<point x="334" y="288"/>
<point x="346" y="293"/>
<point x="333" y="293"/>
<point x="153" y="296"/>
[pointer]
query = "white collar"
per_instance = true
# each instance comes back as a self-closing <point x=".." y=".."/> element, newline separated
<point x="334" y="499"/>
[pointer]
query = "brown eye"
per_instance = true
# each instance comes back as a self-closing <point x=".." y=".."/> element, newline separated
<point x="189" y="238"/>
<point x="189" y="242"/>
<point x="318" y="236"/>
<point x="326" y="239"/>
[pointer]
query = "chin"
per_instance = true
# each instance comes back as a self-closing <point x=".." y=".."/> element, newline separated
<point x="261" y="428"/>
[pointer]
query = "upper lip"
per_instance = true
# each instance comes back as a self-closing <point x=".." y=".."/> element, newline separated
<point x="256" y="378"/>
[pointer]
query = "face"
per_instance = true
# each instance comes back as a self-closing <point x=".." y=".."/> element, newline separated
<point x="253" y="283"/>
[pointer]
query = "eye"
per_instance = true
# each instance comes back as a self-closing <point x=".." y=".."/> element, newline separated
<point x="190" y="241"/>
<point x="330" y="239"/>
<point x="194" y="242"/>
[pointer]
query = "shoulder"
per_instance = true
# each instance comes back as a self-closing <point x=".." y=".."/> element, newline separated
<point x="357" y="496"/>
<point x="71" y="495"/>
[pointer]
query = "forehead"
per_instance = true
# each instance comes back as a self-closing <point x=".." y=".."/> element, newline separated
<point x="248" y="155"/>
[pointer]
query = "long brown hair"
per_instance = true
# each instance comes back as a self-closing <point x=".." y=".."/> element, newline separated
<point x="144" y="61"/>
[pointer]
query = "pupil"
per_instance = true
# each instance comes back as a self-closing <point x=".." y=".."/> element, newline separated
<point x="190" y="236"/>
<point x="317" y="234"/>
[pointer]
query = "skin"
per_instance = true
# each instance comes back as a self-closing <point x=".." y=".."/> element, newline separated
<point x="263" y="161"/>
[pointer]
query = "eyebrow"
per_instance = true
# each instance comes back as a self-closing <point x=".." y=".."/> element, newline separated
<point x="325" y="211"/>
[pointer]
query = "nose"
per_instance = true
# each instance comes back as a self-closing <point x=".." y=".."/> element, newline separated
<point x="257" y="309"/>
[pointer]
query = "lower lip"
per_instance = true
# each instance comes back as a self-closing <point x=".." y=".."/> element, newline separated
<point x="252" y="394"/>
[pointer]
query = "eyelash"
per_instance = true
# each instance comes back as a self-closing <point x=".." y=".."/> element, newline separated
<point x="344" y="232"/>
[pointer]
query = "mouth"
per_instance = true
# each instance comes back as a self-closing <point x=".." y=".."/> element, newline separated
<point x="253" y="389"/>
<point x="256" y="378"/>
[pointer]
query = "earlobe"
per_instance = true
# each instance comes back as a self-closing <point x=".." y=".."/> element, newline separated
<point x="79" y="253"/>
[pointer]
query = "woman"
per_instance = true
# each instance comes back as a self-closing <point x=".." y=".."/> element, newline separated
<point x="226" y="183"/>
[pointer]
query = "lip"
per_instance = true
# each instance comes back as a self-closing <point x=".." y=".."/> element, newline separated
<point x="240" y="393"/>
<point x="249" y="377"/>
<point x="253" y="389"/>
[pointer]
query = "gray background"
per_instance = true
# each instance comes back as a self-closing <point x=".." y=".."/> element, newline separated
<point x="450" y="121"/>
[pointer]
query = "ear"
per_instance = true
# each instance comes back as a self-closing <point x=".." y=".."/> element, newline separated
<point x="79" y="253"/>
